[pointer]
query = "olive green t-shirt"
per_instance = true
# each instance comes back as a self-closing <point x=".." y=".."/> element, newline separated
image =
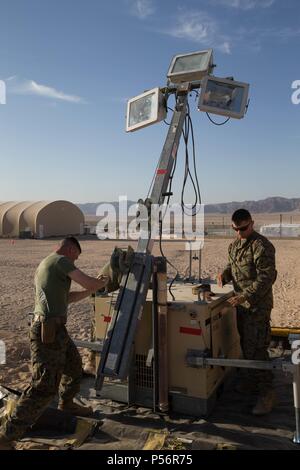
<point x="52" y="286"/>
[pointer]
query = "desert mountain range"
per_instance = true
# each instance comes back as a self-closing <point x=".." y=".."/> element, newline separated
<point x="269" y="205"/>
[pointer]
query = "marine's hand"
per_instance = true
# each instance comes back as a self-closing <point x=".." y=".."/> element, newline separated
<point x="220" y="280"/>
<point x="103" y="281"/>
<point x="236" y="300"/>
<point x="89" y="283"/>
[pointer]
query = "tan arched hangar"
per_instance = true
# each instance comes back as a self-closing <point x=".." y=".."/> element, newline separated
<point x="40" y="219"/>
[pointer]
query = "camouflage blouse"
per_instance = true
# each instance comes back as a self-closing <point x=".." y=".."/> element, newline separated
<point x="251" y="268"/>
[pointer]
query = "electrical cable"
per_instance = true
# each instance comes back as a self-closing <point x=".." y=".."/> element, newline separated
<point x="247" y="106"/>
<point x="194" y="159"/>
<point x="168" y="123"/>
<point x="217" y="123"/>
<point x="186" y="132"/>
<point x="188" y="128"/>
<point x="196" y="92"/>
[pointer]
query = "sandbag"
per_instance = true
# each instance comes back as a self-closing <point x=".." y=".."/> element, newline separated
<point x="119" y="264"/>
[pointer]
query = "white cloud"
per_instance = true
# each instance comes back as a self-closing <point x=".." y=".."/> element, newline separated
<point x="199" y="27"/>
<point x="225" y="47"/>
<point x="255" y="37"/>
<point x="196" y="27"/>
<point x="12" y="77"/>
<point x="142" y="8"/>
<point x="203" y="29"/>
<point x="30" y="87"/>
<point x="282" y="34"/>
<point x="118" y="99"/>
<point x="245" y="4"/>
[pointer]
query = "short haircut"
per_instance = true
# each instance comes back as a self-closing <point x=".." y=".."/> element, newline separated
<point x="241" y="215"/>
<point x="70" y="241"/>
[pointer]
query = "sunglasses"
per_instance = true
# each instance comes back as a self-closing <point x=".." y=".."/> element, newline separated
<point x="241" y="229"/>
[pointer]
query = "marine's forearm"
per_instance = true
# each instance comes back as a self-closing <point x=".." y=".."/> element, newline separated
<point x="76" y="296"/>
<point x="260" y="287"/>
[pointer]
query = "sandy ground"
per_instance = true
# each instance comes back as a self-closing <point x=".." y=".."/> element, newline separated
<point x="19" y="259"/>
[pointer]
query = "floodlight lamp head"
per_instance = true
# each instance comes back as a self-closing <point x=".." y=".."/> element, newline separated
<point x="190" y="67"/>
<point x="224" y="97"/>
<point x="145" y="109"/>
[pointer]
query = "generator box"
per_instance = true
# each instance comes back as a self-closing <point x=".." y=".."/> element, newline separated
<point x="202" y="327"/>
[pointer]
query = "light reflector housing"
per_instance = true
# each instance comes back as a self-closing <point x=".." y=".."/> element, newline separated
<point x="190" y="67"/>
<point x="145" y="109"/>
<point x="223" y="96"/>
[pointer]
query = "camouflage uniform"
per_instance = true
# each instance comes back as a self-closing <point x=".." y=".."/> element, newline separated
<point x="56" y="363"/>
<point x="55" y="367"/>
<point x="251" y="267"/>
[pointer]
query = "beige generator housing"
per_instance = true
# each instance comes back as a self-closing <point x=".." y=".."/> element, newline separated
<point x="40" y="219"/>
<point x="193" y="327"/>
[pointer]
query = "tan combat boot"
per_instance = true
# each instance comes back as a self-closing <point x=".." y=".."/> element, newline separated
<point x="75" y="409"/>
<point x="5" y="444"/>
<point x="264" y="404"/>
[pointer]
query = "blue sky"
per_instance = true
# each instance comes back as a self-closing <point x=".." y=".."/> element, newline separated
<point x="70" y="65"/>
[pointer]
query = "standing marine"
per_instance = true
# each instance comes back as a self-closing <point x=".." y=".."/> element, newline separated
<point x="251" y="268"/>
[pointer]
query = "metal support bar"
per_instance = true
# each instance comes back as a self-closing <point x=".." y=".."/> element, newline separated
<point x="154" y="338"/>
<point x="195" y="361"/>
<point x="162" y="310"/>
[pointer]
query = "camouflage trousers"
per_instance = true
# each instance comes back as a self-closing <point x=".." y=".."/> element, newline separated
<point x="255" y="334"/>
<point x="56" y="368"/>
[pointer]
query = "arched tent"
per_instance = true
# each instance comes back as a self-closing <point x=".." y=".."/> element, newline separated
<point x="11" y="219"/>
<point x="4" y="207"/>
<point x="42" y="219"/>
